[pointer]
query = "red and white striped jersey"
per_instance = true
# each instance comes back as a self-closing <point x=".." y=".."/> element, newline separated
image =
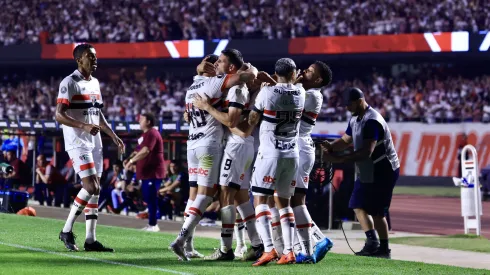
<point x="313" y="105"/>
<point x="204" y="129"/>
<point x="84" y="102"/>
<point x="282" y="106"/>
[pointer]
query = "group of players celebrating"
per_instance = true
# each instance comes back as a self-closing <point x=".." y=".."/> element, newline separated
<point x="250" y="129"/>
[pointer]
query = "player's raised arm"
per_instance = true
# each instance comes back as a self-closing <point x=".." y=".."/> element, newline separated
<point x="258" y="109"/>
<point x="241" y="77"/>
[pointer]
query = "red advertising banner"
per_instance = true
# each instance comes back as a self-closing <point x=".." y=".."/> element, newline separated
<point x="418" y="42"/>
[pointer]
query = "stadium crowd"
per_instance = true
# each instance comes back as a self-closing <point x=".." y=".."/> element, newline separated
<point x="136" y="21"/>
<point x="451" y="99"/>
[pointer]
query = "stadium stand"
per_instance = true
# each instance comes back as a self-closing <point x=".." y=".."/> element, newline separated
<point x="62" y="22"/>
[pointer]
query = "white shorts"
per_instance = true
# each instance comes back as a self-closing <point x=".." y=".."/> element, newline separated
<point x="87" y="162"/>
<point x="274" y="174"/>
<point x="306" y="162"/>
<point x="236" y="165"/>
<point x="204" y="163"/>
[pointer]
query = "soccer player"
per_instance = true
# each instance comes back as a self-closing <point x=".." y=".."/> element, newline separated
<point x="236" y="162"/>
<point x="280" y="107"/>
<point x="313" y="79"/>
<point x="377" y="169"/>
<point x="78" y="108"/>
<point x="204" y="146"/>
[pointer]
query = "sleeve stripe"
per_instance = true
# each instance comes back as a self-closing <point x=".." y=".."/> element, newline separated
<point x="63" y="101"/>
<point x="235" y="105"/>
<point x="225" y="81"/>
<point x="257" y="110"/>
<point x="311" y="114"/>
<point x="269" y="112"/>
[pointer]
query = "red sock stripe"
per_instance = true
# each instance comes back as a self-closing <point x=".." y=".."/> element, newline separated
<point x="238" y="220"/>
<point x="197" y="211"/>
<point x="276" y="223"/>
<point x="263" y="213"/>
<point x="250" y="217"/>
<point x="87" y="166"/>
<point x="227" y="225"/>
<point x="92" y="205"/>
<point x="80" y="201"/>
<point x="303" y="225"/>
<point x="287" y="215"/>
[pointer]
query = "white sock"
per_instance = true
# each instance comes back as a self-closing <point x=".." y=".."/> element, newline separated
<point x="240" y="231"/>
<point x="76" y="209"/>
<point x="194" y="215"/>
<point x="91" y="215"/>
<point x="189" y="243"/>
<point x="316" y="233"/>
<point x="303" y="225"/>
<point x="277" y="230"/>
<point x="247" y="212"/>
<point x="287" y="226"/>
<point x="262" y="215"/>
<point x="297" y="245"/>
<point x="228" y="217"/>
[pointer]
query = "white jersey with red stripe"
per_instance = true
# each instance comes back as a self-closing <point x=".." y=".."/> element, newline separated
<point x="313" y="105"/>
<point x="238" y="97"/>
<point x="204" y="129"/>
<point x="84" y="102"/>
<point x="281" y="106"/>
<point x="256" y="131"/>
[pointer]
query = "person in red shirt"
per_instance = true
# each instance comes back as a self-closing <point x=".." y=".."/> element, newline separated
<point x="150" y="168"/>
<point x="49" y="177"/>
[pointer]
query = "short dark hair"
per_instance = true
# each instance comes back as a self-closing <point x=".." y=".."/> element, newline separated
<point x="285" y="66"/>
<point x="325" y="72"/>
<point x="235" y="57"/>
<point x="80" y="49"/>
<point x="150" y="117"/>
<point x="212" y="58"/>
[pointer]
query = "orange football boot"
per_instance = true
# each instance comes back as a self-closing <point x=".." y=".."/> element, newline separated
<point x="287" y="258"/>
<point x="266" y="258"/>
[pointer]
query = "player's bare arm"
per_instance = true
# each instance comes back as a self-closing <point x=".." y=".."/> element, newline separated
<point x="62" y="117"/>
<point x="206" y="67"/>
<point x="242" y="77"/>
<point x="141" y="154"/>
<point x="104" y="126"/>
<point x="253" y="118"/>
<point x="230" y="119"/>
<point x="265" y="77"/>
<point x="363" y="153"/>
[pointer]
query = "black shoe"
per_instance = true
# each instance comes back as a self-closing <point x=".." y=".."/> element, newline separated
<point x="383" y="253"/>
<point x="254" y="254"/>
<point x="69" y="240"/>
<point x="369" y="250"/>
<point x="219" y="255"/>
<point x="96" y="246"/>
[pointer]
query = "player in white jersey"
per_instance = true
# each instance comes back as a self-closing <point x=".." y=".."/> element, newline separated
<point x="78" y="109"/>
<point x="237" y="159"/>
<point x="204" y="146"/>
<point x="281" y="107"/>
<point x="313" y="79"/>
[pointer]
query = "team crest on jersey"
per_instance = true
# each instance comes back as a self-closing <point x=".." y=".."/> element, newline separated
<point x="84" y="157"/>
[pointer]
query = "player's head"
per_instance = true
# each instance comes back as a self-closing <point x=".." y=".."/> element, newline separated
<point x="353" y="100"/>
<point x="317" y="75"/>
<point x="229" y="62"/>
<point x="86" y="58"/>
<point x="147" y="121"/>
<point x="286" y="68"/>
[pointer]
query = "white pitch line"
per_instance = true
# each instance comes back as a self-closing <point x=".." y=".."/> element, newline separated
<point x="94" y="259"/>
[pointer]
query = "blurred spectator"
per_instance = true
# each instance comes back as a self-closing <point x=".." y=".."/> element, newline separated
<point x="109" y="182"/>
<point x="120" y="199"/>
<point x="49" y="182"/>
<point x="62" y="22"/>
<point x="21" y="174"/>
<point x="171" y="193"/>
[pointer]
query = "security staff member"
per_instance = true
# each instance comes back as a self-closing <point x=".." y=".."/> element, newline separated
<point x="377" y="169"/>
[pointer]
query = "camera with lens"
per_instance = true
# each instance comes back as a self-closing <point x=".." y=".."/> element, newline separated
<point x="6" y="168"/>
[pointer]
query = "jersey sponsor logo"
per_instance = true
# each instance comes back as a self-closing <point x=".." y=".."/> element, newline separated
<point x="194" y="87"/>
<point x="283" y="145"/>
<point x="287" y="92"/>
<point x="224" y="175"/>
<point x="196" y="136"/>
<point x="91" y="113"/>
<point x="306" y="179"/>
<point x="269" y="179"/>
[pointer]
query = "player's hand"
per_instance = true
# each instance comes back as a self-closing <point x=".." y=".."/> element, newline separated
<point x="202" y="103"/>
<point x="186" y="116"/>
<point x="120" y="144"/>
<point x="300" y="76"/>
<point x="206" y="67"/>
<point x="91" y="129"/>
